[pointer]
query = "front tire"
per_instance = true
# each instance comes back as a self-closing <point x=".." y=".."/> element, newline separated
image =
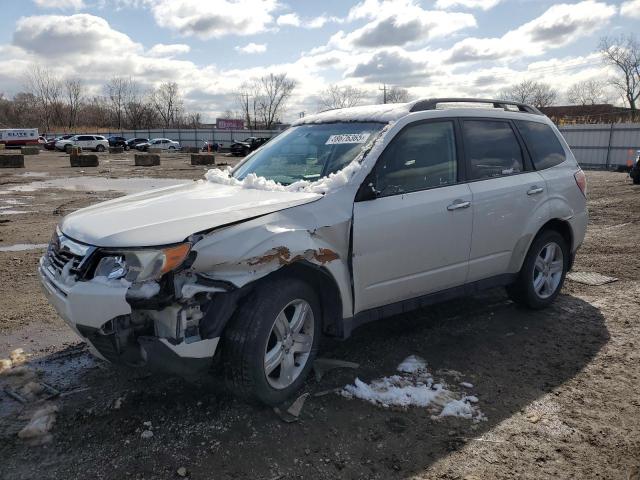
<point x="543" y="271"/>
<point x="100" y="148"/>
<point x="271" y="343"/>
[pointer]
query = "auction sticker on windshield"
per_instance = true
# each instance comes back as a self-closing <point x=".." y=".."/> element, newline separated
<point x="347" y="138"/>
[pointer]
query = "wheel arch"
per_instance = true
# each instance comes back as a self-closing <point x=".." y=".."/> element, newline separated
<point x="563" y="227"/>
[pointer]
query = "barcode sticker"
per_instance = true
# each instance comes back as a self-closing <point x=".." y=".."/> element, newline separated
<point x="347" y="138"/>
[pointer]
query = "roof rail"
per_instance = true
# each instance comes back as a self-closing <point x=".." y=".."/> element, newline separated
<point x="432" y="103"/>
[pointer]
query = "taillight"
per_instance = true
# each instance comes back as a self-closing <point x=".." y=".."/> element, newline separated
<point x="581" y="180"/>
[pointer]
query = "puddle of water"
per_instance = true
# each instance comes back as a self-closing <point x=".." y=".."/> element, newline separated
<point x="14" y="212"/>
<point x="21" y="247"/>
<point x="99" y="184"/>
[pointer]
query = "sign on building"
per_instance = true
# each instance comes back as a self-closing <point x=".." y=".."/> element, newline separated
<point x="229" y="123"/>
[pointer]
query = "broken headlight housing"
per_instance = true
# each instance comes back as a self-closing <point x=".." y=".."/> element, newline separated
<point x="141" y="265"/>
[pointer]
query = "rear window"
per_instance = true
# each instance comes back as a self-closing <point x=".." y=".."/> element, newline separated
<point x="491" y="148"/>
<point x="543" y="144"/>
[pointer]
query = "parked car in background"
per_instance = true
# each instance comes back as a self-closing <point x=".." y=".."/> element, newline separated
<point x="87" y="142"/>
<point x="41" y="140"/>
<point x="248" y="145"/>
<point x="635" y="169"/>
<point x="162" y="143"/>
<point x="51" y="143"/>
<point x="133" y="142"/>
<point x="356" y="216"/>
<point x="118" y="142"/>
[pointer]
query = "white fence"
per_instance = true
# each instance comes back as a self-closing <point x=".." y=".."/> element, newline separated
<point x="605" y="146"/>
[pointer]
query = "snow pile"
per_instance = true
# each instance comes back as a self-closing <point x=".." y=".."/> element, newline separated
<point x="369" y="113"/>
<point x="102" y="280"/>
<point x="415" y="387"/>
<point x="331" y="182"/>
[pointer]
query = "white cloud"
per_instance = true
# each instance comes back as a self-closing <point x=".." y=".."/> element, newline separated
<point x="163" y="50"/>
<point x="630" y="8"/>
<point x="252" y="48"/>
<point x="61" y="4"/>
<point x="65" y="36"/>
<point x="397" y="23"/>
<point x="481" y="4"/>
<point x="559" y="26"/>
<point x="289" y="19"/>
<point x="214" y="18"/>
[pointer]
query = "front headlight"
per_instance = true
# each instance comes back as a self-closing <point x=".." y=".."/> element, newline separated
<point x="141" y="265"/>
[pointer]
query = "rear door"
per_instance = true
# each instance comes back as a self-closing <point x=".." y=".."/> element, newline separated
<point x="507" y="195"/>
<point x="85" y="141"/>
<point x="414" y="238"/>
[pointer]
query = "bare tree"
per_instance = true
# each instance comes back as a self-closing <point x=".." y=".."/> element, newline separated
<point x="247" y="99"/>
<point x="275" y="90"/>
<point x="623" y="53"/>
<point x="587" y="92"/>
<point x="73" y="90"/>
<point x="117" y="89"/>
<point x="167" y="102"/>
<point x="534" y="93"/>
<point x="46" y="87"/>
<point x="397" y="95"/>
<point x="340" y="97"/>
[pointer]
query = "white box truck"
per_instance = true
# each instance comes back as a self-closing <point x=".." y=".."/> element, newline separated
<point x="19" y="137"/>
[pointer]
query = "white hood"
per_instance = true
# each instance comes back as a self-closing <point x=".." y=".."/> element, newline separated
<point x="170" y="215"/>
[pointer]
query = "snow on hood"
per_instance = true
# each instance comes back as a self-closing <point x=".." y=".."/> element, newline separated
<point x="331" y="182"/>
<point x="370" y="113"/>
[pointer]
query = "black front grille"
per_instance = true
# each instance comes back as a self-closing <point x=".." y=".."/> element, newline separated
<point x="59" y="258"/>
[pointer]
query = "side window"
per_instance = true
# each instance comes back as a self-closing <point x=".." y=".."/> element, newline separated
<point x="492" y="149"/>
<point x="422" y="156"/>
<point x="84" y="138"/>
<point x="543" y="144"/>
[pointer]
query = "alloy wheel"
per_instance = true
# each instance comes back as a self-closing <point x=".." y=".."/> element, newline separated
<point x="289" y="344"/>
<point x="548" y="270"/>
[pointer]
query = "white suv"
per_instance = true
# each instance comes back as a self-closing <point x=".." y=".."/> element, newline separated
<point x="349" y="216"/>
<point x="86" y="142"/>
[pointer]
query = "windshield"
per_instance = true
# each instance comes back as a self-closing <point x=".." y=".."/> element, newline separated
<point x="308" y="152"/>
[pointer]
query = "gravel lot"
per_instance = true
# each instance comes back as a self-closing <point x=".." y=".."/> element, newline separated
<point x="558" y="387"/>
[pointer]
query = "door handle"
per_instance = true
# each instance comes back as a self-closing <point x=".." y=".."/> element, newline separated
<point x="535" y="190"/>
<point x="458" y="204"/>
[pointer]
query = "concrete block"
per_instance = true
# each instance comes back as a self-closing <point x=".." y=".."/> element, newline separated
<point x="12" y="161"/>
<point x="119" y="149"/>
<point x="148" y="160"/>
<point x="203" y="159"/>
<point x="30" y="150"/>
<point x="84" y="160"/>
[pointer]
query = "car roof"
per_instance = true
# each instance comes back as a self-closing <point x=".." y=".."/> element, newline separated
<point x="386" y="113"/>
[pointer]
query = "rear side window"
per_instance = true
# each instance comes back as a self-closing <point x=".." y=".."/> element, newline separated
<point x="543" y="144"/>
<point x="492" y="149"/>
<point x="422" y="156"/>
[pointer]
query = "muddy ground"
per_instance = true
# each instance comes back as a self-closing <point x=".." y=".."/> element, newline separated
<point x="559" y="388"/>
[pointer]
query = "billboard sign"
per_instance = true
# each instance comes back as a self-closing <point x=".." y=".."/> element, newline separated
<point x="229" y="123"/>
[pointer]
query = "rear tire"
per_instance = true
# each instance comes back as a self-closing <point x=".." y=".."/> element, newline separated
<point x="271" y="343"/>
<point x="543" y="271"/>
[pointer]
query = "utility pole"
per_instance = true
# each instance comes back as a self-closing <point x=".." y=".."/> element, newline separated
<point x="384" y="92"/>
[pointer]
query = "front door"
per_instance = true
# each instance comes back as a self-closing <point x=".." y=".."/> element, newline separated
<point x="414" y="238"/>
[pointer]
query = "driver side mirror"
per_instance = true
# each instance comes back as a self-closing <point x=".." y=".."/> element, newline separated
<point x="367" y="190"/>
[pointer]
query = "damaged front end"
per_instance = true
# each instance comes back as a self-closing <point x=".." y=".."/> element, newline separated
<point x="138" y="307"/>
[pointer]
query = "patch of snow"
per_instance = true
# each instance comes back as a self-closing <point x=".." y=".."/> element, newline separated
<point x="144" y="290"/>
<point x="466" y="384"/>
<point x="412" y="364"/>
<point x="41" y="422"/>
<point x="415" y="387"/>
<point x="331" y="182"/>
<point x="369" y="113"/>
<point x="7" y="211"/>
<point x="20" y="247"/>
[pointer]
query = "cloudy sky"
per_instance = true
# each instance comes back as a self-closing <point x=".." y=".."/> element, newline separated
<point x="430" y="47"/>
